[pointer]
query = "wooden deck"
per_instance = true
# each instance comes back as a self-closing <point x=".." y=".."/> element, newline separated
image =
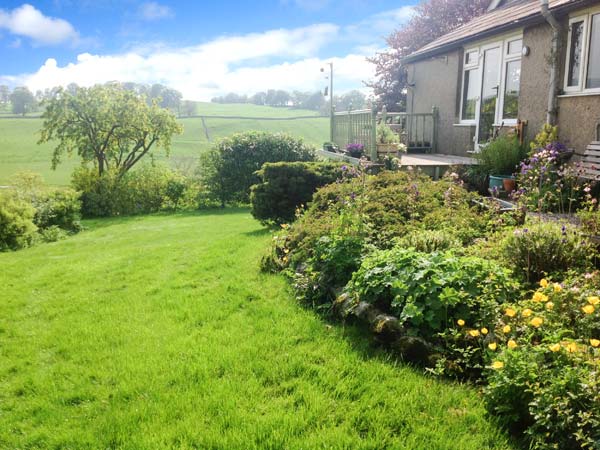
<point x="434" y="164"/>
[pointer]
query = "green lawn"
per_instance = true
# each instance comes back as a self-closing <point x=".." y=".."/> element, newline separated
<point x="160" y="332"/>
<point x="19" y="150"/>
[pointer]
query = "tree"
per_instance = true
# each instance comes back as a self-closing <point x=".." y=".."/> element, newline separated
<point x="432" y="19"/>
<point x="22" y="101"/>
<point x="108" y="126"/>
<point x="188" y="108"/>
<point x="4" y="94"/>
<point x="354" y="99"/>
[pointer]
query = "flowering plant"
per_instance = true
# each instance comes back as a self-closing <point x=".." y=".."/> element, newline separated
<point x="546" y="182"/>
<point x="544" y="362"/>
<point x="355" y="150"/>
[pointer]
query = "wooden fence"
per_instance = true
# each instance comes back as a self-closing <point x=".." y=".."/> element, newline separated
<point x="418" y="131"/>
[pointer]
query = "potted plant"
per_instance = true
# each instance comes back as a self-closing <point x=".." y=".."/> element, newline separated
<point x="355" y="150"/>
<point x="499" y="159"/>
<point x="388" y="141"/>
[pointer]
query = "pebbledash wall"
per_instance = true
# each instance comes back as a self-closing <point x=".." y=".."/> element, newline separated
<point x="437" y="82"/>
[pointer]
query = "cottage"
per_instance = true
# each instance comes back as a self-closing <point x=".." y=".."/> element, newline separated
<point x="524" y="60"/>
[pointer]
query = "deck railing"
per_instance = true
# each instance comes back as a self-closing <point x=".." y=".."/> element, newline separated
<point x="418" y="131"/>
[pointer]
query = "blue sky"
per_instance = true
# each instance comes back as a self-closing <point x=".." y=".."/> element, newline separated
<point x="202" y="48"/>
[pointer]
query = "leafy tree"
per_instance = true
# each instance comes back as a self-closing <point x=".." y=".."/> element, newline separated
<point x="432" y="19"/>
<point x="108" y="126"/>
<point x="188" y="108"/>
<point x="356" y="99"/>
<point x="4" y="94"/>
<point x="259" y="98"/>
<point x="22" y="101"/>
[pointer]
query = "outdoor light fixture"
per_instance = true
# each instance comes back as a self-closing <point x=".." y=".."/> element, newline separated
<point x="526" y="50"/>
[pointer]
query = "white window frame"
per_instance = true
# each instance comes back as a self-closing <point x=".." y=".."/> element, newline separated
<point x="586" y="18"/>
<point x="466" y="68"/>
<point x="502" y="42"/>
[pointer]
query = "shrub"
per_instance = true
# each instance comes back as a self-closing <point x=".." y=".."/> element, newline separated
<point x="17" y="229"/>
<point x="53" y="207"/>
<point x="544" y="249"/>
<point x="229" y="168"/>
<point x="52" y="234"/>
<point x="140" y="191"/>
<point x="429" y="241"/>
<point x="286" y="186"/>
<point x="501" y="156"/>
<point x="543" y="376"/>
<point x="385" y="135"/>
<point x="59" y="208"/>
<point x="428" y="293"/>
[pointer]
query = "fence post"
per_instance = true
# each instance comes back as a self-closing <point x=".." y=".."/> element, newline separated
<point x="373" y="137"/>
<point x="350" y="125"/>
<point x="331" y="123"/>
<point x="434" y="138"/>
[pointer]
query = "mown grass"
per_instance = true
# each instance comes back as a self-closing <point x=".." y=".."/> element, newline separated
<point x="160" y="332"/>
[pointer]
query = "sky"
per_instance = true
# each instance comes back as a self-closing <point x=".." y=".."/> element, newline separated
<point x="201" y="48"/>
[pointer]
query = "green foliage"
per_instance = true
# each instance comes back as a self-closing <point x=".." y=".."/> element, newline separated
<point x="17" y="229"/>
<point x="430" y="292"/>
<point x="147" y="189"/>
<point x="229" y="168"/>
<point x="543" y="249"/>
<point x="545" y="383"/>
<point x="287" y="186"/>
<point x="52" y="234"/>
<point x="385" y="135"/>
<point x="546" y="136"/>
<point x="108" y="126"/>
<point x="58" y="208"/>
<point x="501" y="156"/>
<point x="429" y="241"/>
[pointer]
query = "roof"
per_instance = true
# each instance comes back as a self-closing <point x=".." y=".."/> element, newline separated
<point x="504" y="18"/>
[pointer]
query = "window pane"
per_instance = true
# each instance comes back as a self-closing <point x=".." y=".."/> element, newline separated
<point x="470" y="94"/>
<point x="489" y="92"/>
<point x="515" y="47"/>
<point x="575" y="54"/>
<point x="471" y="58"/>
<point x="593" y="76"/>
<point x="511" y="90"/>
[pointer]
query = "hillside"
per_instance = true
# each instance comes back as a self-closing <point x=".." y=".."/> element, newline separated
<point x="19" y="150"/>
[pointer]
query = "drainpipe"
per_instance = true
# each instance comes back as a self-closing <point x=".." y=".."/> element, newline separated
<point x="552" y="106"/>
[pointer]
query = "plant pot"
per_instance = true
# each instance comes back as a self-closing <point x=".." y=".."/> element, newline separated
<point x="385" y="149"/>
<point x="509" y="184"/>
<point x="497" y="181"/>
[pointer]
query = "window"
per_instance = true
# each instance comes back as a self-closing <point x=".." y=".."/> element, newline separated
<point x="492" y="83"/>
<point x="582" y="73"/>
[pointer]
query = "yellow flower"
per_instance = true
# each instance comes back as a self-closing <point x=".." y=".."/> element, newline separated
<point x="539" y="297"/>
<point x="484" y="331"/>
<point x="286" y="250"/>
<point x="549" y="306"/>
<point x="474" y="333"/>
<point x="492" y="346"/>
<point x="497" y="365"/>
<point x="506" y="329"/>
<point x="510" y="312"/>
<point x="460" y="322"/>
<point x="554" y="347"/>
<point x="284" y="225"/>
<point x="537" y="322"/>
<point x="557" y="287"/>
<point x="588" y="309"/>
<point x="595" y="342"/>
<point x="511" y="344"/>
<point x="526" y="312"/>
<point x="544" y="283"/>
<point x="594" y="300"/>
<point x="572" y="347"/>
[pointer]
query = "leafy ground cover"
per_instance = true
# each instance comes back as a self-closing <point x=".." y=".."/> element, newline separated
<point x="19" y="150"/>
<point x="160" y="332"/>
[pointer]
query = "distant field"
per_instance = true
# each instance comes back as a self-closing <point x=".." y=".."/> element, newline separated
<point x="19" y="150"/>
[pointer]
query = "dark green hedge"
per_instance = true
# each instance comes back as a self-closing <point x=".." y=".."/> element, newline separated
<point x="287" y="185"/>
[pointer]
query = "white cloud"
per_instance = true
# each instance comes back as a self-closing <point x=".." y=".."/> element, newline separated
<point x="368" y="34"/>
<point x="155" y="11"/>
<point x="279" y="59"/>
<point x="29" y="22"/>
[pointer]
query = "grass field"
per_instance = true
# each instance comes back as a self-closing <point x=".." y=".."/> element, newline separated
<point x="160" y="332"/>
<point x="19" y="150"/>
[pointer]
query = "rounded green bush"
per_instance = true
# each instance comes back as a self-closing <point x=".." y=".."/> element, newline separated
<point x="17" y="229"/>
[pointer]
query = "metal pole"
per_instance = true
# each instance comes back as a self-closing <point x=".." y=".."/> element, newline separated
<point x="331" y="102"/>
